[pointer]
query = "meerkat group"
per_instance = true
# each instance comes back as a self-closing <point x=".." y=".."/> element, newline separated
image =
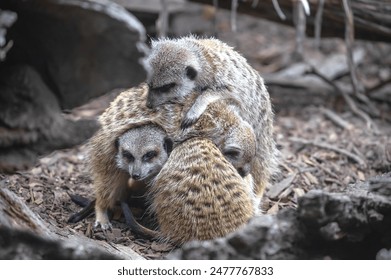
<point x="215" y="70"/>
<point x="206" y="104"/>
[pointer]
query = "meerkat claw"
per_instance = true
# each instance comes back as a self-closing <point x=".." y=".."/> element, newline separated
<point x="187" y="122"/>
<point x="103" y="226"/>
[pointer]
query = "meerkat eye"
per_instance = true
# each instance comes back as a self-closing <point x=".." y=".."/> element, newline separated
<point x="150" y="155"/>
<point x="166" y="88"/>
<point x="191" y="73"/>
<point x="233" y="154"/>
<point x="128" y="156"/>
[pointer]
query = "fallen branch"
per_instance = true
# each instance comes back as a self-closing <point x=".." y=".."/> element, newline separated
<point x="350" y="155"/>
<point x="336" y="119"/>
<point x="352" y="105"/>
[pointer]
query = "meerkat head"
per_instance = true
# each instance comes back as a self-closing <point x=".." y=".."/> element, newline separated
<point x="239" y="148"/>
<point x="173" y="72"/>
<point x="143" y="151"/>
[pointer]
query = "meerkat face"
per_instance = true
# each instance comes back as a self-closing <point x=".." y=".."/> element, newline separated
<point x="173" y="71"/>
<point x="239" y="148"/>
<point x="142" y="152"/>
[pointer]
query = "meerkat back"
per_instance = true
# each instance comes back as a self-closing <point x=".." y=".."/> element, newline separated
<point x="198" y="194"/>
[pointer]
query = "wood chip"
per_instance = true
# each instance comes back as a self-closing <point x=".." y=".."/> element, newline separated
<point x="117" y="232"/>
<point x="273" y="210"/>
<point x="278" y="188"/>
<point x="311" y="178"/>
<point x="361" y="176"/>
<point x="161" y="247"/>
<point x="298" y="192"/>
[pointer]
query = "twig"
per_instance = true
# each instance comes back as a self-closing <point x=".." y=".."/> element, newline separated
<point x="318" y="23"/>
<point x="234" y="11"/>
<point x="162" y="22"/>
<point x="300" y="28"/>
<point x="358" y="88"/>
<point x="379" y="86"/>
<point x="346" y="97"/>
<point x="306" y="7"/>
<point x="332" y="174"/>
<point x="216" y="7"/>
<point x="349" y="40"/>
<point x="278" y="10"/>
<point x="326" y="146"/>
<point x="336" y="119"/>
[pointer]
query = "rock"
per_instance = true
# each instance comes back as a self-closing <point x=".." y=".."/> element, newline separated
<point x="64" y="52"/>
<point x="82" y="49"/>
<point x="355" y="225"/>
<point x="31" y="123"/>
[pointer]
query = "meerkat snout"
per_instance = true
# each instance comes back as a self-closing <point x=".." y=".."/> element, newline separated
<point x="142" y="152"/>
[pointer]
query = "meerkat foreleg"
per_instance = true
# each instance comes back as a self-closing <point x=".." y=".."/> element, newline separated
<point x="102" y="218"/>
<point x="198" y="108"/>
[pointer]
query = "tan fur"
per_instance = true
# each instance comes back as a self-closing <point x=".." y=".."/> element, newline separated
<point x="199" y="195"/>
<point x="223" y="72"/>
<point x="220" y="123"/>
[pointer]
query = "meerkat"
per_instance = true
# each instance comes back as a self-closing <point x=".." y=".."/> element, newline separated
<point x="198" y="194"/>
<point x="210" y="67"/>
<point x="233" y="136"/>
<point x="141" y="153"/>
<point x="221" y="123"/>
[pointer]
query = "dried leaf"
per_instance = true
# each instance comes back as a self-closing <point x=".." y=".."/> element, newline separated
<point x="361" y="176"/>
<point x="308" y="161"/>
<point x="284" y="196"/>
<point x="278" y="188"/>
<point x="273" y="210"/>
<point x="306" y="180"/>
<point x="312" y="178"/>
<point x="298" y="192"/>
<point x="161" y="247"/>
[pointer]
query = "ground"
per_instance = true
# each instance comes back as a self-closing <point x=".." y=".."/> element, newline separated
<point x="316" y="153"/>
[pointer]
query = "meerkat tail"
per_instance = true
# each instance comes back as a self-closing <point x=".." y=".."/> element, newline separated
<point x="134" y="225"/>
<point x="82" y="214"/>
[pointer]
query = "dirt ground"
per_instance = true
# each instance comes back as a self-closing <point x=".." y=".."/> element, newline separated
<point x="315" y="152"/>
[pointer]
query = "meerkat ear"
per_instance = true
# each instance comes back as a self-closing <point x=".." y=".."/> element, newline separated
<point x="168" y="145"/>
<point x="116" y="143"/>
<point x="191" y="73"/>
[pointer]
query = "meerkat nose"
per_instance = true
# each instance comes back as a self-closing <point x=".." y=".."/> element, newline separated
<point x="136" y="176"/>
<point x="242" y="172"/>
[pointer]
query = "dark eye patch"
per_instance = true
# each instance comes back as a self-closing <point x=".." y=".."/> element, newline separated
<point x="128" y="156"/>
<point x="150" y="155"/>
<point x="165" y="88"/>
<point x="232" y="153"/>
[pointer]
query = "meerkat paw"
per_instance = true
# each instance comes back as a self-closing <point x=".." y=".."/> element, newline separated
<point x="198" y="108"/>
<point x="102" y="220"/>
<point x="104" y="226"/>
